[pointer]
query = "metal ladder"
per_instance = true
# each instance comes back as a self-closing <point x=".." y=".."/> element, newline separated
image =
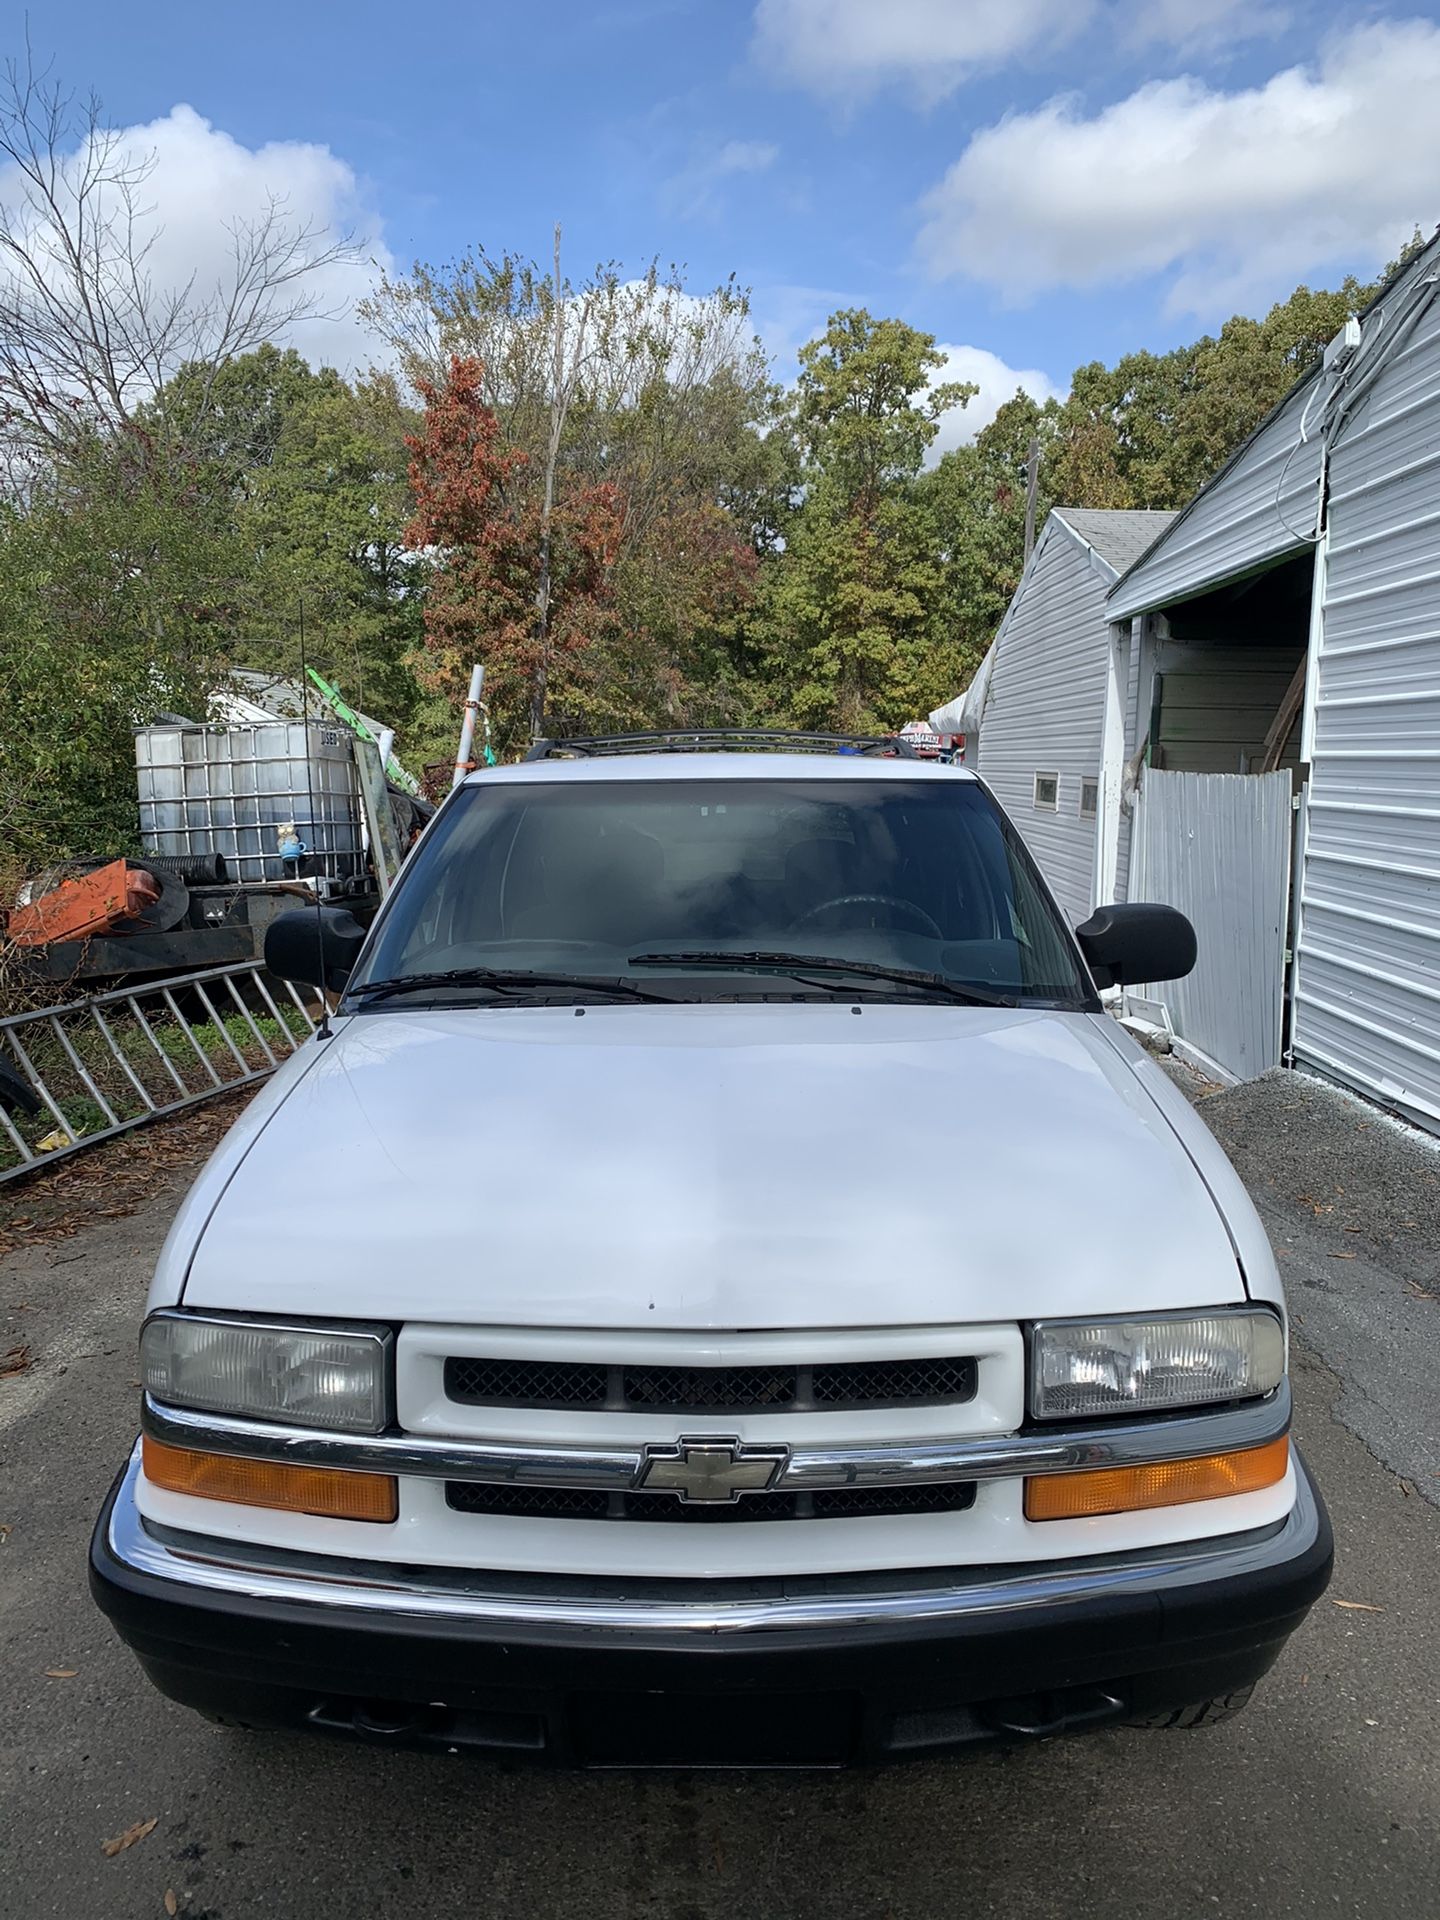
<point x="113" y="1061"/>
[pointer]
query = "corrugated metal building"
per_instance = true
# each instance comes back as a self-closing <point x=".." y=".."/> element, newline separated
<point x="1312" y="561"/>
<point x="1035" y="724"/>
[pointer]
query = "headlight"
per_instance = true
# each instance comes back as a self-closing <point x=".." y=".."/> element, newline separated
<point x="1081" y="1369"/>
<point x="336" y="1378"/>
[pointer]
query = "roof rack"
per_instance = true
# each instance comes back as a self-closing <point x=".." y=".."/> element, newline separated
<point x="724" y="740"/>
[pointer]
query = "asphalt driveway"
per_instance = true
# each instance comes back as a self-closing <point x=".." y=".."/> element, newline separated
<point x="1324" y="1798"/>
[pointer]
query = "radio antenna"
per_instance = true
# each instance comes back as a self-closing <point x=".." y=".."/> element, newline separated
<point x="322" y="1032"/>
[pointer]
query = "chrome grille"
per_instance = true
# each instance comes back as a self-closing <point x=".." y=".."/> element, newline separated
<point x="568" y="1503"/>
<point x="828" y="1386"/>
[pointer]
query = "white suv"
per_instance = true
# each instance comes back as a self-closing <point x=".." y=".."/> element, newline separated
<point x="719" y="1288"/>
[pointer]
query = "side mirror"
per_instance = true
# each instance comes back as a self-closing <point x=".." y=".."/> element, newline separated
<point x="1125" y="944"/>
<point x="318" y="946"/>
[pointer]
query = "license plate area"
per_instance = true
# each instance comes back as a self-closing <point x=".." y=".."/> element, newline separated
<point x="714" y="1730"/>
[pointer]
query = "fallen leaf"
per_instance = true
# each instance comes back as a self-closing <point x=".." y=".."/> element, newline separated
<point x="15" y="1361"/>
<point x="1358" y="1606"/>
<point x="61" y="1673"/>
<point x="172" y="1905"/>
<point x="1344" y="1256"/>
<point x="128" y="1839"/>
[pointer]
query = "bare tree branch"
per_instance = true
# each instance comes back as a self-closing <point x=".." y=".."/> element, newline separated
<point x="88" y="338"/>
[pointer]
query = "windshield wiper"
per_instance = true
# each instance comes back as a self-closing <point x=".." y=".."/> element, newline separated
<point x="502" y="980"/>
<point x="826" y="963"/>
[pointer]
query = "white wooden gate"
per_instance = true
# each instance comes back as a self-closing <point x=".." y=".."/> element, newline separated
<point x="1217" y="846"/>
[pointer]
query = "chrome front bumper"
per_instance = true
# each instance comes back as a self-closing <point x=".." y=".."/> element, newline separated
<point x="784" y="1671"/>
<point x="203" y="1565"/>
<point x="805" y="1469"/>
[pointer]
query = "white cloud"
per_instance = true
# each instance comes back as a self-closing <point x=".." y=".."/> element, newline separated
<point x="787" y="316"/>
<point x="997" y="383"/>
<point x="1201" y="26"/>
<point x="202" y="182"/>
<point x="746" y="156"/>
<point x="695" y="191"/>
<point x="850" y="48"/>
<point x="1234" y="194"/>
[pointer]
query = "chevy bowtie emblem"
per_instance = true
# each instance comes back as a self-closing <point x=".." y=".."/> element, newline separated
<point x="711" y="1472"/>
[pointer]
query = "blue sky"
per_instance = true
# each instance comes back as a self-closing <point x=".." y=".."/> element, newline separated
<point x="1044" y="181"/>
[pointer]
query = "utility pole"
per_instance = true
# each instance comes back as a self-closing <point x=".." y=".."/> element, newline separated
<point x="558" y="398"/>
<point x="1032" y="488"/>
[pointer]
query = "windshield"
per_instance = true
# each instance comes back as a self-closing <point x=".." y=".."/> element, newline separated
<point x="656" y="881"/>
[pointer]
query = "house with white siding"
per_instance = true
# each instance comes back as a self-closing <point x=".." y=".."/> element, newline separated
<point x="1269" y="746"/>
<point x="1034" y="719"/>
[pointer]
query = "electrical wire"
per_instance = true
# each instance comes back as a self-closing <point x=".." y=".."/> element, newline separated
<point x="1351" y="383"/>
<point x="1314" y="532"/>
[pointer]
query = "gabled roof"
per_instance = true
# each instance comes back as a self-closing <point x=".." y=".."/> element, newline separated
<point x="1112" y="536"/>
<point x="1119" y="535"/>
<point x="1291" y="401"/>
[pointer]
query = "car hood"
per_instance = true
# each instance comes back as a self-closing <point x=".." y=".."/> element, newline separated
<point x="717" y="1167"/>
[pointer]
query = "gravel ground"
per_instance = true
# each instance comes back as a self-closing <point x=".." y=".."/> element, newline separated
<point x="1324" y="1798"/>
<point x="1352" y="1205"/>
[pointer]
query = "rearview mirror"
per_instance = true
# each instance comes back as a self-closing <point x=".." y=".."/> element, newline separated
<point x="317" y="946"/>
<point x="1137" y="943"/>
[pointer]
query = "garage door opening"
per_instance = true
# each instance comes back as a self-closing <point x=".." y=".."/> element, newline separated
<point x="1229" y="675"/>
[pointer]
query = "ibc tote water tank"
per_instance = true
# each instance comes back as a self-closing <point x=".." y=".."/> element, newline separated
<point x="231" y="790"/>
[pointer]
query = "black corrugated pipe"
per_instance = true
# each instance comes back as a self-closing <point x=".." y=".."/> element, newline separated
<point x="195" y="869"/>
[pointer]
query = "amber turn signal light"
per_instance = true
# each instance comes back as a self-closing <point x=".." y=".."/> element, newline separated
<point x="261" y="1483"/>
<point x="1168" y="1483"/>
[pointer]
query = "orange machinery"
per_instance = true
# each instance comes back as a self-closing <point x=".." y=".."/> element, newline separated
<point x="85" y="905"/>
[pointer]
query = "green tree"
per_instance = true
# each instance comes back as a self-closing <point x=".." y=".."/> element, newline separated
<point x="846" y="626"/>
<point x="325" y="518"/>
<point x="975" y="501"/>
<point x="232" y="418"/>
<point x="119" y="584"/>
<point x="865" y="409"/>
<point x="314" y="471"/>
<point x="641" y="386"/>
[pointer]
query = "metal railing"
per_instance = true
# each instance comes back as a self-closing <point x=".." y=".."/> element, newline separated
<point x="723" y="740"/>
<point x="113" y="1061"/>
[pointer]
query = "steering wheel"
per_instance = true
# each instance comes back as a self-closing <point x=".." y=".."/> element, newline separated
<point x="905" y="909"/>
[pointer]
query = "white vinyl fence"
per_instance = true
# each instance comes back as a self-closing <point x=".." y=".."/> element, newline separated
<point x="1217" y="846"/>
